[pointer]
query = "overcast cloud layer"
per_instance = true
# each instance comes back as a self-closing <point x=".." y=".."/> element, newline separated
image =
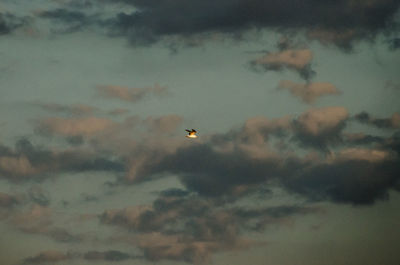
<point x="295" y="104"/>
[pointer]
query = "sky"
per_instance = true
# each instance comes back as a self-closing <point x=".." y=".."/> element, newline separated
<point x="297" y="159"/>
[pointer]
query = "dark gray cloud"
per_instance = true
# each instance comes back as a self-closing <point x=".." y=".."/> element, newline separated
<point x="48" y="256"/>
<point x="38" y="195"/>
<point x="27" y="160"/>
<point x="68" y="21"/>
<point x="232" y="165"/>
<point x="56" y="256"/>
<point x="355" y="181"/>
<point x="320" y="127"/>
<point x="62" y="235"/>
<point x="190" y="228"/>
<point x="10" y="22"/>
<point x="356" y="176"/>
<point x="216" y="173"/>
<point x="394" y="44"/>
<point x="110" y="255"/>
<point x="362" y="139"/>
<point x="64" y="15"/>
<point x="339" y="22"/>
<point x="388" y="123"/>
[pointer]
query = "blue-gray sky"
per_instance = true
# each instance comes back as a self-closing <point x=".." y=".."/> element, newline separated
<point x="296" y="105"/>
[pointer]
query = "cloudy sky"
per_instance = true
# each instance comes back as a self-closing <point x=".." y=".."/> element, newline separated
<point x="295" y="102"/>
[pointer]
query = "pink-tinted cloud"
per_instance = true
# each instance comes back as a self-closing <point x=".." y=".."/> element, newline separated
<point x="16" y="166"/>
<point x="309" y="92"/>
<point x="75" y="109"/>
<point x="342" y="39"/>
<point x="131" y="94"/>
<point x="74" y="126"/>
<point x="322" y="120"/>
<point x="363" y="154"/>
<point x="298" y="60"/>
<point x="48" y="257"/>
<point x="201" y="228"/>
<point x="163" y="124"/>
<point x="35" y="220"/>
<point x="8" y="201"/>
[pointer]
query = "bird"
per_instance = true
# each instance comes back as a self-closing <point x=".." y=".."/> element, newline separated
<point x="192" y="133"/>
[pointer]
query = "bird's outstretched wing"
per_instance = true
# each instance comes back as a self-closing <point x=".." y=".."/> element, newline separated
<point x="188" y="131"/>
<point x="193" y="130"/>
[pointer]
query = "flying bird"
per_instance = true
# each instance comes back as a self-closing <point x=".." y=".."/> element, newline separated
<point x="192" y="133"/>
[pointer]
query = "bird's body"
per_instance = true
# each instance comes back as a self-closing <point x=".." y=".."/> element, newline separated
<point x="192" y="133"/>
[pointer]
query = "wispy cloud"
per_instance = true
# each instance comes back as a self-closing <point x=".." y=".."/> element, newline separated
<point x="389" y="123"/>
<point x="298" y="60"/>
<point x="10" y="22"/>
<point x="48" y="256"/>
<point x="308" y="92"/>
<point x="183" y="227"/>
<point x="75" y="109"/>
<point x="131" y="94"/>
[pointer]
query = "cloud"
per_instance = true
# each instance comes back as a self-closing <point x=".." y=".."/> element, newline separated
<point x="183" y="227"/>
<point x="64" y="15"/>
<point x="52" y="256"/>
<point x="362" y="154"/>
<point x="67" y="20"/>
<point x="340" y="23"/>
<point x="228" y="165"/>
<point x="392" y="85"/>
<point x="308" y="92"/>
<point x="321" y="126"/>
<point x="353" y="178"/>
<point x="361" y="139"/>
<point x="111" y="255"/>
<point x="75" y="110"/>
<point x="131" y="94"/>
<point x="166" y="123"/>
<point x="17" y="166"/>
<point x="8" y="201"/>
<point x="212" y="173"/>
<point x="39" y="196"/>
<point x="118" y="111"/>
<point x="48" y="256"/>
<point x="59" y="234"/>
<point x="38" y="219"/>
<point x="129" y="217"/>
<point x="9" y="23"/>
<point x="235" y="164"/>
<point x="35" y="220"/>
<point x="27" y="162"/>
<point x="389" y="123"/>
<point x="343" y="39"/>
<point x="394" y="44"/>
<point x="298" y="60"/>
<point x="73" y="126"/>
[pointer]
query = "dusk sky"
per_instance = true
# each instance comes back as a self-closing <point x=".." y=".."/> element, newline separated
<point x="296" y="104"/>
